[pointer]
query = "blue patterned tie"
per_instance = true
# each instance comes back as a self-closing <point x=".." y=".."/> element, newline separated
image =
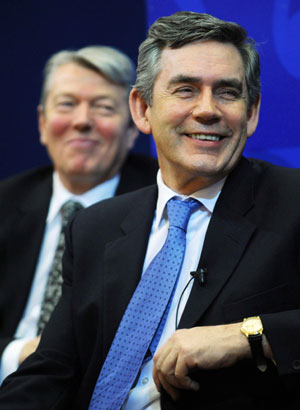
<point x="144" y="313"/>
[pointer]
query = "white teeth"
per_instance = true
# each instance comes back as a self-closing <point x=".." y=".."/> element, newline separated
<point x="205" y="137"/>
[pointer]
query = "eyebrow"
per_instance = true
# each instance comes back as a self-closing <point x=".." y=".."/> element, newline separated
<point x="230" y="82"/>
<point x="73" y="95"/>
<point x="226" y="82"/>
<point x="180" y="78"/>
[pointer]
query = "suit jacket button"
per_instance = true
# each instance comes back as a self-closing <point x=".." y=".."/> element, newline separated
<point x="296" y="365"/>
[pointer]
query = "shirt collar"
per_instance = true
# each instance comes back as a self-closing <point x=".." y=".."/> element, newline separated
<point x="60" y="195"/>
<point x="207" y="196"/>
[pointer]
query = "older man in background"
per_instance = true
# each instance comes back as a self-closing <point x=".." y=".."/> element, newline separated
<point x="86" y="127"/>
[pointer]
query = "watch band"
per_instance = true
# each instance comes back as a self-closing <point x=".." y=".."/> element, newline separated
<point x="257" y="351"/>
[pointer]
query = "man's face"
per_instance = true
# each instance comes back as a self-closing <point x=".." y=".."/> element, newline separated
<point x="85" y="126"/>
<point x="199" y="117"/>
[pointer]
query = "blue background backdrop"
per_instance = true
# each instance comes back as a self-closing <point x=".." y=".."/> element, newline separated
<point x="32" y="30"/>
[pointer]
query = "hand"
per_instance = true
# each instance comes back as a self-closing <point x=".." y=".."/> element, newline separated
<point x="210" y="347"/>
<point x="29" y="348"/>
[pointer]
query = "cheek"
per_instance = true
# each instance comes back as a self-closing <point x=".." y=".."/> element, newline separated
<point x="109" y="130"/>
<point x="165" y="118"/>
<point x="238" y="117"/>
<point x="57" y="126"/>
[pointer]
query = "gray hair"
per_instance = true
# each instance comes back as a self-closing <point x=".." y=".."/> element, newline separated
<point x="186" y="27"/>
<point x="107" y="61"/>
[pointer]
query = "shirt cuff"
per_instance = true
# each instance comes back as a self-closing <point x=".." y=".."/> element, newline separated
<point x="10" y="357"/>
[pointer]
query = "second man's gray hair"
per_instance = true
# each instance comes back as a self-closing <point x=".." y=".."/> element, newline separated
<point x="110" y="62"/>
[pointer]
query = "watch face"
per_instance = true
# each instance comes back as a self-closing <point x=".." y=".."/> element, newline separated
<point x="252" y="326"/>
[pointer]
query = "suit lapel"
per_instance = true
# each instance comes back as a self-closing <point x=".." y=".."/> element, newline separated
<point x="227" y="236"/>
<point x="30" y="221"/>
<point x="26" y="228"/>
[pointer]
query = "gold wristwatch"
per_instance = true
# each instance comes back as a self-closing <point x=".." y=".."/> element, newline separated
<point x="252" y="328"/>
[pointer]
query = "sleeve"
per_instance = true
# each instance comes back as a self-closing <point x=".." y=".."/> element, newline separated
<point x="10" y="357"/>
<point x="283" y="333"/>
<point x="49" y="378"/>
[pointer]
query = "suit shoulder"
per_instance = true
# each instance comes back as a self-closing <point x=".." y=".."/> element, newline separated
<point x="114" y="209"/>
<point x="277" y="185"/>
<point x="125" y="201"/>
<point x="137" y="172"/>
<point x="276" y="174"/>
<point x="23" y="183"/>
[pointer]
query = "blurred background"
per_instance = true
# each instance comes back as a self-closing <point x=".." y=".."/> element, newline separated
<point x="32" y="30"/>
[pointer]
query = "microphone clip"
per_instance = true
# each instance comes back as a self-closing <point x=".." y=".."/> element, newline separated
<point x="200" y="276"/>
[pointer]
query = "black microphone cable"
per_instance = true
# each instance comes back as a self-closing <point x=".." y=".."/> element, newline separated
<point x="200" y="276"/>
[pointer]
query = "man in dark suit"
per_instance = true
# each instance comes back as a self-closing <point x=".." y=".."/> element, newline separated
<point x="86" y="126"/>
<point x="238" y="338"/>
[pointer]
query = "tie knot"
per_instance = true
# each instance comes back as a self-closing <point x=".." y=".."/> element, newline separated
<point x="179" y="211"/>
<point x="68" y="210"/>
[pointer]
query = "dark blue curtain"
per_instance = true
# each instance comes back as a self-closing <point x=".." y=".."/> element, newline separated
<point x="32" y="30"/>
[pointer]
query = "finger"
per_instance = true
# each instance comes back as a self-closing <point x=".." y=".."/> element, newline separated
<point x="156" y="379"/>
<point x="167" y="364"/>
<point x="163" y="374"/>
<point x="181" y="372"/>
<point x="162" y="354"/>
<point x="169" y="388"/>
<point x="185" y="383"/>
<point x="163" y="365"/>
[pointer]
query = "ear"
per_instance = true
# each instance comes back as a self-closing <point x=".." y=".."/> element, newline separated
<point x="253" y="116"/>
<point x="138" y="109"/>
<point x="41" y="122"/>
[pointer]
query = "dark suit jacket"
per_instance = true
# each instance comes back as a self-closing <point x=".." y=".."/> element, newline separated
<point x="252" y="254"/>
<point x="24" y="202"/>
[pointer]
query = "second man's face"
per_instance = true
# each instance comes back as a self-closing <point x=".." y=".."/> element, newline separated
<point x="199" y="117"/>
<point x="85" y="125"/>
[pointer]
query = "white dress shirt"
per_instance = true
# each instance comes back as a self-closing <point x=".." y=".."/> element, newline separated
<point x="27" y="328"/>
<point x="144" y="395"/>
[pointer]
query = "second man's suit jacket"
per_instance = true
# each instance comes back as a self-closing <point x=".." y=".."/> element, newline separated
<point x="252" y="254"/>
<point x="24" y="203"/>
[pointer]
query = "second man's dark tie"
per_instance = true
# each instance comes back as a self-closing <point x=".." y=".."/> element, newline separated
<point x="53" y="287"/>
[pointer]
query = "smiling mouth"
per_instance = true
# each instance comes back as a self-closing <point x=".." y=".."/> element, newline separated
<point x="82" y="141"/>
<point x="205" y="137"/>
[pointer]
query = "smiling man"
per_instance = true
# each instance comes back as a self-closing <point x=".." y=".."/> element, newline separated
<point x="86" y="127"/>
<point x="205" y="265"/>
<point x="85" y="122"/>
<point x="200" y="114"/>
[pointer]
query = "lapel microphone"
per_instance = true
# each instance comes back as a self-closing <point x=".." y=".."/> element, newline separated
<point x="200" y="276"/>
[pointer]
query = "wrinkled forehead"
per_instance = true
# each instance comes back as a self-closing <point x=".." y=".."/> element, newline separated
<point x="202" y="59"/>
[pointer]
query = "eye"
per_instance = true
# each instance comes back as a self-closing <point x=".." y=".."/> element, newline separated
<point x="184" y="92"/>
<point x="104" y="109"/>
<point x="65" y="104"/>
<point x="228" y="94"/>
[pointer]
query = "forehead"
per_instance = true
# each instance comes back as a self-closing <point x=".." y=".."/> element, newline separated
<point x="206" y="60"/>
<point x="72" y="77"/>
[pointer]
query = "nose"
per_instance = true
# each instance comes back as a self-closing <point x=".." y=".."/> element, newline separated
<point x="82" y="118"/>
<point x="205" y="109"/>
